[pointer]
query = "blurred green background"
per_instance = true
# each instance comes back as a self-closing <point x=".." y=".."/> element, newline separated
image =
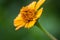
<point x="50" y="20"/>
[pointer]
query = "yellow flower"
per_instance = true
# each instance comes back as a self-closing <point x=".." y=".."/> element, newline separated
<point x="28" y="15"/>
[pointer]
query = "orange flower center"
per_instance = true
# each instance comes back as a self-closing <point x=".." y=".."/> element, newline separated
<point x="27" y="14"/>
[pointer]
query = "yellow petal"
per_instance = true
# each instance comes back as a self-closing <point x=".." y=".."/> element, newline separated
<point x="21" y="24"/>
<point x="18" y="23"/>
<point x="32" y="5"/>
<point x="17" y="19"/>
<point x="30" y="24"/>
<point x="39" y="3"/>
<point x="39" y="12"/>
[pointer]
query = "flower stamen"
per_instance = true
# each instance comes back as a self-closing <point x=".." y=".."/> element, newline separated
<point x="28" y="14"/>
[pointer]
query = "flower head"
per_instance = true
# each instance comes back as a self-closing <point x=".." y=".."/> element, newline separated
<point x="28" y="15"/>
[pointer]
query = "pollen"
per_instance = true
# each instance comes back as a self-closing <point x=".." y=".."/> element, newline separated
<point x="28" y="14"/>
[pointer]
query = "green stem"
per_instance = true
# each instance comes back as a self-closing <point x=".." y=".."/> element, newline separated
<point x="46" y="32"/>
